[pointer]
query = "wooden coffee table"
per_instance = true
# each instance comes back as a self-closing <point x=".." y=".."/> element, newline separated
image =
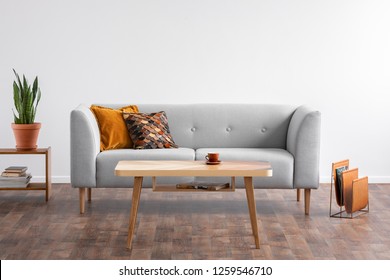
<point x="154" y="168"/>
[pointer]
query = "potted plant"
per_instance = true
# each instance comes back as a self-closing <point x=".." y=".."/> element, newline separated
<point x="26" y="100"/>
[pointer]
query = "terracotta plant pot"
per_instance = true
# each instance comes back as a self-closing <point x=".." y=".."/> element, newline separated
<point x="26" y="135"/>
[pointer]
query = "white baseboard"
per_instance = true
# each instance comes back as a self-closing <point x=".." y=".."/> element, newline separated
<point x="323" y="179"/>
<point x="54" y="179"/>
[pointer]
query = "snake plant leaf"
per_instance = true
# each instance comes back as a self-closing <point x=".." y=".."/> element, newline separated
<point x="18" y="78"/>
<point x="16" y="97"/>
<point x="25" y="84"/>
<point x="16" y="102"/>
<point x="24" y="106"/>
<point x="16" y="119"/>
<point x="35" y="87"/>
<point x="38" y="99"/>
<point x="29" y="107"/>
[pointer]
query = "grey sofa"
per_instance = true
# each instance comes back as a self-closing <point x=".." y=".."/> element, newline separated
<point x="286" y="136"/>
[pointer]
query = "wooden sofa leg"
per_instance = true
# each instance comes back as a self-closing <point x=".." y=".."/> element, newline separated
<point x="89" y="194"/>
<point x="298" y="194"/>
<point x="82" y="200"/>
<point x="307" y="201"/>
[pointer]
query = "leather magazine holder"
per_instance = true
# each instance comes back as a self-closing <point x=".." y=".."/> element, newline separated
<point x="351" y="192"/>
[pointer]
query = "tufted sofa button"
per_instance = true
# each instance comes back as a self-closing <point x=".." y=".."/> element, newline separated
<point x="263" y="129"/>
<point x="228" y="129"/>
<point x="193" y="129"/>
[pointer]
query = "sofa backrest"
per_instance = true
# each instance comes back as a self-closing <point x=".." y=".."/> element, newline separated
<point x="225" y="125"/>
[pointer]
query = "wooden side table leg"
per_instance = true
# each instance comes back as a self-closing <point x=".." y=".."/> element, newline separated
<point x="298" y="194"/>
<point x="48" y="173"/>
<point x="250" y="195"/>
<point x="134" y="209"/>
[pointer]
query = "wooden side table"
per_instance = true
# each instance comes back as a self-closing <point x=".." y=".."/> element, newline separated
<point x="46" y="186"/>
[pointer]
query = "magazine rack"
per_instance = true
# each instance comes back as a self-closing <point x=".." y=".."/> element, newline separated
<point x="350" y="191"/>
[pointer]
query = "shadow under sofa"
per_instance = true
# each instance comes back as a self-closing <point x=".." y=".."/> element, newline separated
<point x="287" y="136"/>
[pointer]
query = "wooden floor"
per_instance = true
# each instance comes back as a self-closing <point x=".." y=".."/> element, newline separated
<point x="189" y="226"/>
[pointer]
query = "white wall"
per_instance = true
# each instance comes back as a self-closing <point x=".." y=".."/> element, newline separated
<point x="331" y="55"/>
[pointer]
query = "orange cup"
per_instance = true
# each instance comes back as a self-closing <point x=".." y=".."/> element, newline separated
<point x="212" y="157"/>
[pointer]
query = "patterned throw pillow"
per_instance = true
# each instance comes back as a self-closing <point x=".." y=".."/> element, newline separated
<point x="149" y="131"/>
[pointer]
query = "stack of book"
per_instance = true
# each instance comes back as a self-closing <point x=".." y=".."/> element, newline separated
<point x="15" y="177"/>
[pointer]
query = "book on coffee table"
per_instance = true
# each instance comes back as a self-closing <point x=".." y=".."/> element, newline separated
<point x="203" y="186"/>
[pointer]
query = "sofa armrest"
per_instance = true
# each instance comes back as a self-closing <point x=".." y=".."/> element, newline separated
<point x="84" y="147"/>
<point x="303" y="142"/>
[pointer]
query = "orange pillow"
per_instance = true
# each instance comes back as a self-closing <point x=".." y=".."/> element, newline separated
<point x="113" y="130"/>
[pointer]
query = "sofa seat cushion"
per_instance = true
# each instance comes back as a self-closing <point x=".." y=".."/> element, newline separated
<point x="107" y="160"/>
<point x="282" y="163"/>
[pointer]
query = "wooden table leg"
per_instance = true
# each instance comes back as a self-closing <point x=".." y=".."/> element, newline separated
<point x="250" y="195"/>
<point x="250" y="211"/>
<point x="48" y="173"/>
<point x="82" y="200"/>
<point x="134" y="209"/>
<point x="89" y="192"/>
